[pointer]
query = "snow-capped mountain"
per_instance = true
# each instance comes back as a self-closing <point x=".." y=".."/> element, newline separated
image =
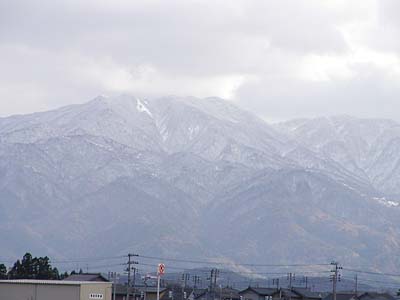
<point x="366" y="147"/>
<point x="172" y="175"/>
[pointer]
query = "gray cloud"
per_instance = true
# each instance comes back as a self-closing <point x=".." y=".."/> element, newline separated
<point x="278" y="58"/>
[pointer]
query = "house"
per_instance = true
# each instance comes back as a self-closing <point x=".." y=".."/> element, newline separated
<point x="87" y="277"/>
<point x="54" y="289"/>
<point x="342" y="296"/>
<point x="198" y="294"/>
<point x="228" y="293"/>
<point x="176" y="292"/>
<point x="253" y="293"/>
<point x="138" y="293"/>
<point x="223" y="293"/>
<point x="257" y="293"/>
<point x="287" y="294"/>
<point x="306" y="294"/>
<point x="375" y="296"/>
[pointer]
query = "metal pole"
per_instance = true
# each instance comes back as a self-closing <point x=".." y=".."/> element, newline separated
<point x="158" y="287"/>
<point x="334" y="279"/>
<point x="356" y="287"/>
<point x="145" y="288"/>
<point x="133" y="283"/>
<point x="115" y="286"/>
<point x="129" y="277"/>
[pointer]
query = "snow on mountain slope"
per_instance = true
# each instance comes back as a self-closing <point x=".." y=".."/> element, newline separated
<point x="366" y="147"/>
<point x="120" y="119"/>
<point x="172" y="169"/>
<point x="298" y="215"/>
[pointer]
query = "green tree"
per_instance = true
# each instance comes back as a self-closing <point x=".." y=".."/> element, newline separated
<point x="16" y="271"/>
<point x="3" y="271"/>
<point x="64" y="275"/>
<point x="33" y="268"/>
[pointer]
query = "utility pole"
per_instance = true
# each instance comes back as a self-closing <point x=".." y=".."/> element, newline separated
<point x="185" y="278"/>
<point x="145" y="287"/>
<point x="133" y="283"/>
<point x="213" y="281"/>
<point x="210" y="294"/>
<point x="291" y="277"/>
<point x="335" y="277"/>
<point x="196" y="281"/>
<point x="356" y="285"/>
<point x="128" y="269"/>
<point x="114" y="278"/>
<point x="216" y="273"/>
<point x="276" y="281"/>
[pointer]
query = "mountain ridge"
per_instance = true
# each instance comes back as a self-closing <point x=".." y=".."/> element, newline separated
<point x="169" y="175"/>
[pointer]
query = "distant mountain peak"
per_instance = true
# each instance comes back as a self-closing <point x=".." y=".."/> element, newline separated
<point x="174" y="175"/>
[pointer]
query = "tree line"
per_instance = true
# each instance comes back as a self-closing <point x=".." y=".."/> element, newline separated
<point x="30" y="267"/>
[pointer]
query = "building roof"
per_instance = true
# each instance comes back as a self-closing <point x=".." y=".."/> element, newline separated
<point x="121" y="289"/>
<point x="86" y="277"/>
<point x="197" y="292"/>
<point x="230" y="293"/>
<point x="49" y="282"/>
<point x="177" y="292"/>
<point x="306" y="293"/>
<point x="375" y="296"/>
<point x="288" y="293"/>
<point x="294" y="293"/>
<point x="260" y="291"/>
<point x="341" y="296"/>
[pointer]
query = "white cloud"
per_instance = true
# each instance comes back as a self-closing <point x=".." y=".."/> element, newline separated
<point x="278" y="58"/>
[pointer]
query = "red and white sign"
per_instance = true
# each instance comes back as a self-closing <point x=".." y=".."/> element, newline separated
<point x="161" y="269"/>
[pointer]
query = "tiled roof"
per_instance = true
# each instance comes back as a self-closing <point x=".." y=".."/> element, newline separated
<point x="341" y="296"/>
<point x="289" y="293"/>
<point x="86" y="277"/>
<point x="306" y="293"/>
<point x="260" y="291"/>
<point x="375" y="296"/>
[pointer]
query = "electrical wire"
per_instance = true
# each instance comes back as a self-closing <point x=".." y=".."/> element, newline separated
<point x="194" y="261"/>
<point x="371" y="272"/>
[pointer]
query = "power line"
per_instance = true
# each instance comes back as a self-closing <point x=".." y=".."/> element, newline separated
<point x="106" y="266"/>
<point x="74" y="260"/>
<point x="234" y="272"/>
<point x="224" y="263"/>
<point x="83" y="260"/>
<point x="364" y="280"/>
<point x="371" y="272"/>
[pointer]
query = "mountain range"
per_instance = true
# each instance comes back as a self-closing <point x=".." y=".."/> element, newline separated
<point x="189" y="177"/>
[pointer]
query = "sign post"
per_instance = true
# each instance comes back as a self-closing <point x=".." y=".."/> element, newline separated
<point x="160" y="272"/>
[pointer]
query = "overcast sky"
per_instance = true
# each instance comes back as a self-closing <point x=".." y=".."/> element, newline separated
<point x="280" y="59"/>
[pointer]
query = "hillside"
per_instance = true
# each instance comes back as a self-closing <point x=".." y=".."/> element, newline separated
<point x="172" y="176"/>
